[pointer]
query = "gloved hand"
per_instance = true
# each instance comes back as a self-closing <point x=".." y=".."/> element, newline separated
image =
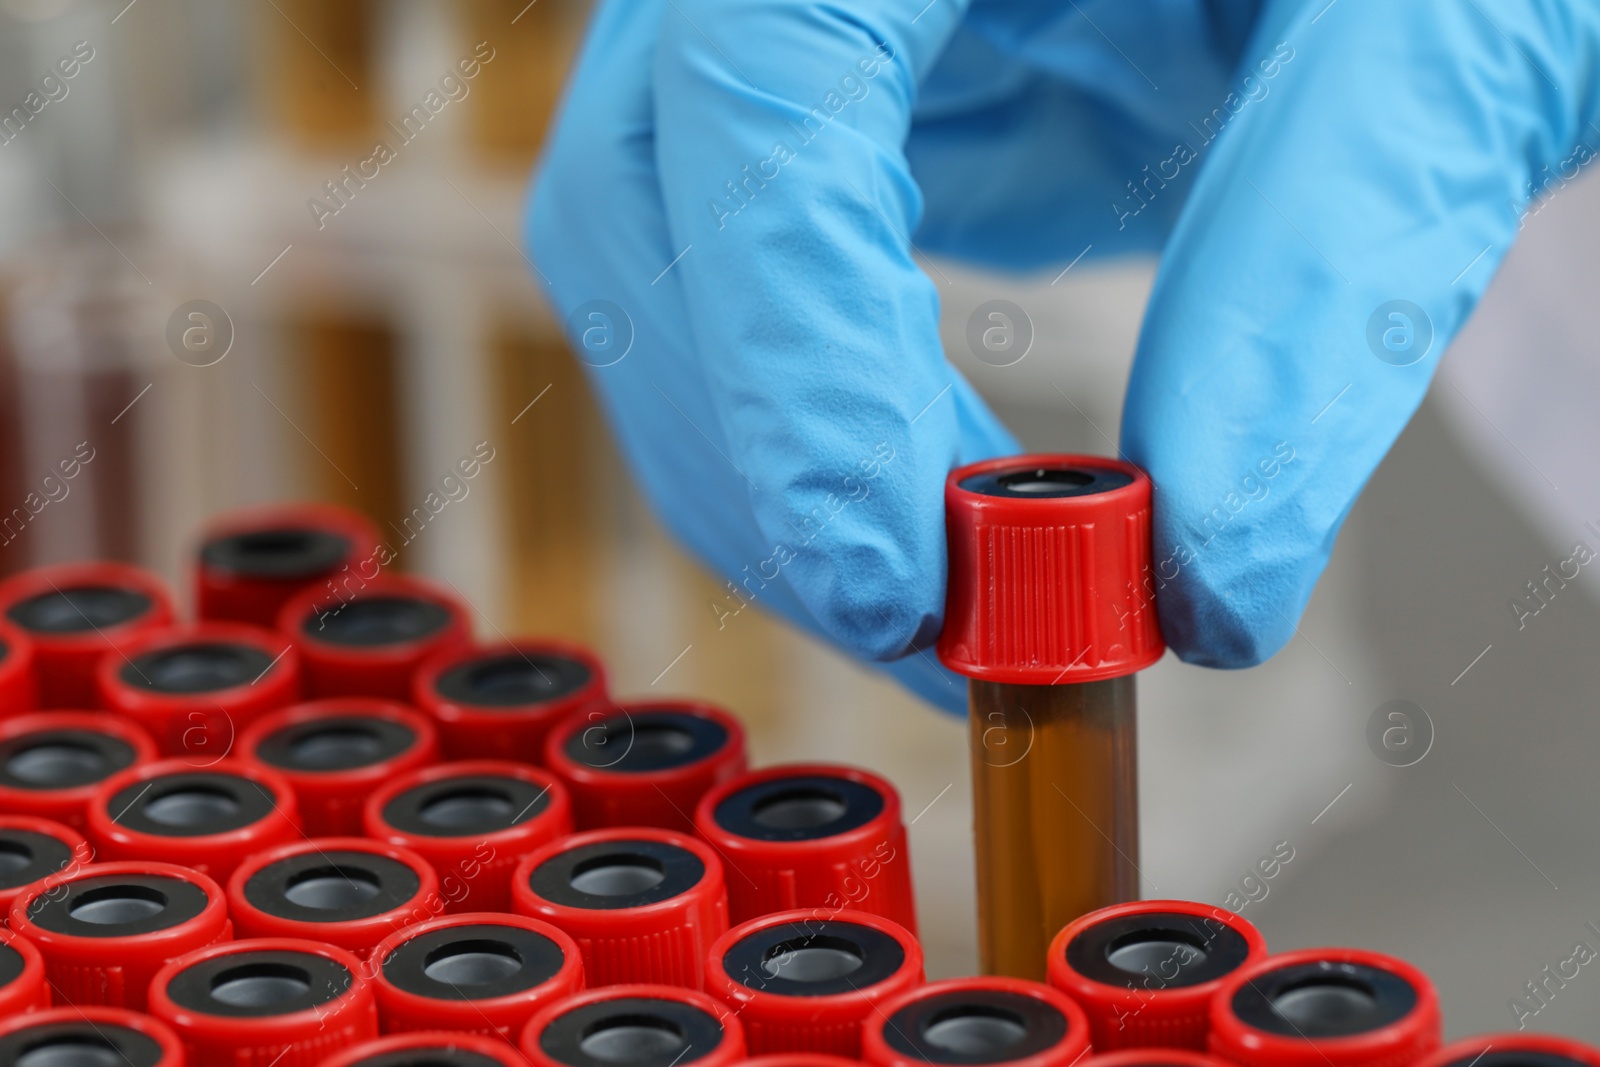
<point x="726" y="214"/>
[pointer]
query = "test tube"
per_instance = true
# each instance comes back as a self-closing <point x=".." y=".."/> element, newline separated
<point x="1049" y="613"/>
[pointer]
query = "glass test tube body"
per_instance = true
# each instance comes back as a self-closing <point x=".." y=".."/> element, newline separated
<point x="1055" y="796"/>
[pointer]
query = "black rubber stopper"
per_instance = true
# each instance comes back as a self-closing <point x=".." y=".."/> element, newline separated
<point x="118" y="905"/>
<point x="1043" y="483"/>
<point x="78" y="609"/>
<point x="11" y="965"/>
<point x="1515" y="1057"/>
<point x="79" y="1043"/>
<point x="62" y="759"/>
<point x="476" y="962"/>
<point x="813" y="958"/>
<point x="610" y="875"/>
<point x="466" y="806"/>
<point x="644" y="740"/>
<point x="441" y="1056"/>
<point x="26" y="857"/>
<point x="336" y="743"/>
<point x="512" y="680"/>
<point x="191" y="804"/>
<point x="257" y="984"/>
<point x="332" y="886"/>
<point x="287" y="553"/>
<point x="1325" y="999"/>
<point x="203" y="667"/>
<point x="631" y="1032"/>
<point x="803" y="808"/>
<point x="974" y="1026"/>
<point x="375" y="621"/>
<point x="1175" y="950"/>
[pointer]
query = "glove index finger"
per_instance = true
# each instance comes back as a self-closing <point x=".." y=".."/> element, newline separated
<point x="781" y="129"/>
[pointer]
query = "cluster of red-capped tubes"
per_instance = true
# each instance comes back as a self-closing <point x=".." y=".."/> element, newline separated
<point x="321" y="825"/>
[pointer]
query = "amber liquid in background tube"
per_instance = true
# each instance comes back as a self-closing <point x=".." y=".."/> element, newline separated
<point x="1055" y="796"/>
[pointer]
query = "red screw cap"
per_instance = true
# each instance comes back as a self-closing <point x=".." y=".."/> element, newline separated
<point x="52" y="762"/>
<point x="19" y="674"/>
<point x="439" y="1048"/>
<point x="644" y="762"/>
<point x="1145" y="972"/>
<point x="480" y="972"/>
<point x="473" y="820"/>
<point x="643" y="904"/>
<point x="810" y="836"/>
<point x="1515" y="1049"/>
<point x="193" y="687"/>
<point x="346" y="891"/>
<point x="61" y="1034"/>
<point x="36" y="848"/>
<point x="268" y="1000"/>
<point x="804" y="982"/>
<point x="1155" y="1056"/>
<point x="105" y="929"/>
<point x="1328" y="1007"/>
<point x="252" y="560"/>
<point x="499" y="701"/>
<point x="371" y="642"/>
<point x="76" y="612"/>
<point x="210" y="819"/>
<point x="1050" y="575"/>
<point x="335" y="752"/>
<point x="634" y="1026"/>
<point x="974" y="1021"/>
<point x="22" y="979"/>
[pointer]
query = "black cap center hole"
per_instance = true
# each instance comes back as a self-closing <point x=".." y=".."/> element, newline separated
<point x="474" y="962"/>
<point x="812" y="959"/>
<point x="1045" y="480"/>
<point x="799" y="809"/>
<point x="14" y="856"/>
<point x="617" y="875"/>
<point x="468" y="808"/>
<point x="118" y="905"/>
<point x="1319" y="1003"/>
<point x="200" y="668"/>
<point x="332" y="888"/>
<point x="191" y="807"/>
<point x="72" y="1051"/>
<point x="263" y="985"/>
<point x="1154" y="951"/>
<point x="975" y="1030"/>
<point x="57" y="763"/>
<point x="632" y="1039"/>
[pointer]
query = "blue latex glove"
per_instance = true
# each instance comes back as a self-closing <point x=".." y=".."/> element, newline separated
<point x="740" y="182"/>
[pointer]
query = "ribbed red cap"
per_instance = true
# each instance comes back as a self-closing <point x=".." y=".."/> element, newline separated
<point x="171" y="909"/>
<point x="706" y="1033"/>
<point x="498" y="701"/>
<point x="368" y="889"/>
<point x="48" y="846"/>
<point x="473" y="820"/>
<point x="643" y="904"/>
<point x="52" y="762"/>
<point x="19" y="672"/>
<point x="114" y="602"/>
<point x="130" y="1033"/>
<point x="429" y="976"/>
<point x="1512" y="1049"/>
<point x="205" y="997"/>
<point x="257" y="811"/>
<point x="435" y="1048"/>
<point x="370" y="642"/>
<point x="253" y="671"/>
<point x="335" y="752"/>
<point x="1145" y="972"/>
<point x="644" y="762"/>
<point x="954" y="1021"/>
<point x="763" y="971"/>
<point x="252" y="560"/>
<point x="810" y="835"/>
<point x="22" y="976"/>
<point x="1386" y="1011"/>
<point x="1155" y="1056"/>
<point x="1050" y="572"/>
